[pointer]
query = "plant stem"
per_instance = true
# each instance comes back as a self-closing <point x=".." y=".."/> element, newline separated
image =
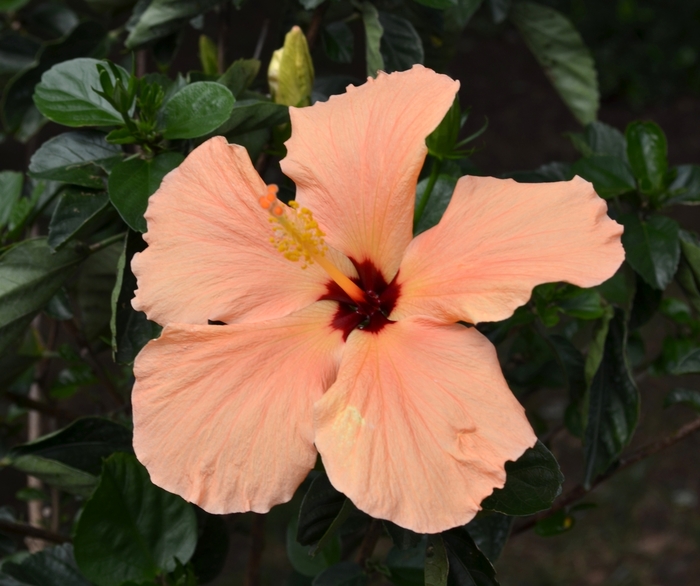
<point x="257" y="545"/>
<point x="374" y="532"/>
<point x="34" y="532"/>
<point x="420" y="208"/>
<point x="315" y="26"/>
<point x="578" y="492"/>
<point x="106" y="242"/>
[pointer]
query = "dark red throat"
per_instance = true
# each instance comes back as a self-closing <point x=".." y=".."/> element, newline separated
<point x="373" y="314"/>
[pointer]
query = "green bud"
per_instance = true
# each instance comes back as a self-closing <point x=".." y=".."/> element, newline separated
<point x="291" y="72"/>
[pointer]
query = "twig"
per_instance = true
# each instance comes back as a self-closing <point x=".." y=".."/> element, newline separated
<point x="34" y="532"/>
<point x="261" y="39"/>
<point x="315" y="26"/>
<point x="374" y="532"/>
<point x="257" y="545"/>
<point x="638" y="455"/>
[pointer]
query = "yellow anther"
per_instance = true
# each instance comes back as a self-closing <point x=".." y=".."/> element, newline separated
<point x="298" y="237"/>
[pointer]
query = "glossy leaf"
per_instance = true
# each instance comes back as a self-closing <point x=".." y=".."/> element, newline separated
<point x="407" y="566"/>
<point x="196" y="110"/>
<point x="685" y="188"/>
<point x="647" y="154"/>
<point x="343" y="574"/>
<point x="611" y="176"/>
<point x="30" y="274"/>
<point x="53" y="566"/>
<point x="79" y="158"/>
<point x="250" y="114"/>
<point x="11" y="183"/>
<point x="532" y="483"/>
<point x="600" y="139"/>
<point x="18" y="107"/>
<point x="133" y="181"/>
<point x="437" y="566"/>
<point x="131" y="329"/>
<point x="321" y="505"/>
<point x="373" y="38"/>
<point x="652" y="247"/>
<point x="401" y="46"/>
<point x="77" y="213"/>
<point x="67" y="95"/>
<point x="162" y="18"/>
<point x="689" y="397"/>
<point x="566" y="60"/>
<point x="240" y="74"/>
<point x="490" y="533"/>
<point x="614" y="401"/>
<point x="338" y="42"/>
<point x="440" y="197"/>
<point x="468" y="566"/>
<point x="130" y="529"/>
<point x="300" y="555"/>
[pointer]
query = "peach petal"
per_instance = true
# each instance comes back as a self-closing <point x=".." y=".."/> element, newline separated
<point x="223" y="415"/>
<point x="498" y="239"/>
<point x="356" y="158"/>
<point x="209" y="254"/>
<point x="419" y="423"/>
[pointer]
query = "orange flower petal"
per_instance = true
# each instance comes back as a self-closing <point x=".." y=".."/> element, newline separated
<point x="209" y="254"/>
<point x="223" y="414"/>
<point x="355" y="160"/>
<point x="419" y="424"/>
<point x="498" y="239"/>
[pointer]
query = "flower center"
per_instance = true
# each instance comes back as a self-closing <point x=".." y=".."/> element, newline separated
<point x="364" y="303"/>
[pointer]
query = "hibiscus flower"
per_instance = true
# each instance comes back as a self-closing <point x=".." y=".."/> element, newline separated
<point x="341" y="337"/>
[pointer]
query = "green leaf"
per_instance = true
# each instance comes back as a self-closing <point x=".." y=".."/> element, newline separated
<point x="77" y="157"/>
<point x="688" y="364"/>
<point x="77" y="213"/>
<point x="373" y="38"/>
<point x="321" y="505"/>
<point x="439" y="4"/>
<point x="688" y="275"/>
<point x="685" y="188"/>
<point x="93" y="290"/>
<point x="19" y="112"/>
<point x="647" y="154"/>
<point x="440" y="197"/>
<point x="82" y="445"/>
<point x="300" y="555"/>
<point x="208" y="55"/>
<point x="30" y="274"/>
<point x="614" y="400"/>
<point x="580" y="303"/>
<point x="652" y="248"/>
<point x="533" y="481"/>
<point x="338" y="42"/>
<point x="645" y="303"/>
<point x="441" y="141"/>
<point x="437" y="566"/>
<point x="197" y="109"/>
<point x="610" y="176"/>
<point x="10" y="191"/>
<point x="12" y="5"/>
<point x="67" y="94"/>
<point x="53" y="566"/>
<point x="468" y="566"/>
<point x="252" y="114"/>
<point x="407" y="566"/>
<point x="162" y="18"/>
<point x="131" y="329"/>
<point x="562" y="53"/>
<point x="342" y="574"/>
<point x="600" y="139"/>
<point x="17" y="52"/>
<point x="130" y="529"/>
<point x="499" y="10"/>
<point x="490" y="533"/>
<point x="311" y="4"/>
<point x="689" y="397"/>
<point x="238" y="77"/>
<point x="133" y="181"/>
<point x="458" y="16"/>
<point x="400" y="46"/>
<point x="572" y="365"/>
